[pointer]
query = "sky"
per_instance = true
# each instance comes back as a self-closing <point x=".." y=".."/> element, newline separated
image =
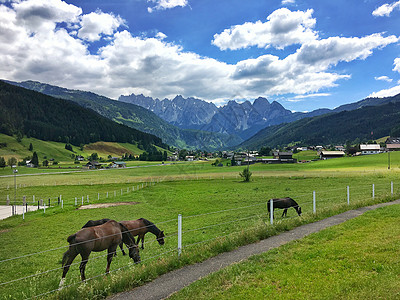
<point x="305" y="54"/>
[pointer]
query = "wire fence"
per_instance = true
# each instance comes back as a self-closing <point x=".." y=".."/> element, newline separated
<point x="215" y="225"/>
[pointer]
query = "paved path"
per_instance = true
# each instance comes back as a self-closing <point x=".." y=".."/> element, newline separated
<point x="171" y="282"/>
<point x="6" y="210"/>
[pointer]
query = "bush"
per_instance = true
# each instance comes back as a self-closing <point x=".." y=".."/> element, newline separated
<point x="246" y="174"/>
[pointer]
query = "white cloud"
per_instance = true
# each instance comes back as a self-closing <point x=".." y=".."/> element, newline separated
<point x="166" y="4"/>
<point x="282" y="28"/>
<point x="285" y="2"/>
<point x="396" y="64"/>
<point x="95" y="24"/>
<point x="312" y="95"/>
<point x="386" y="93"/>
<point x="384" y="78"/>
<point x="129" y="64"/>
<point x="385" y="9"/>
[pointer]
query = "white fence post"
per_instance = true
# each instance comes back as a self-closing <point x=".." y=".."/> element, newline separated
<point x="82" y="200"/>
<point x="87" y="197"/>
<point x="348" y="195"/>
<point x="76" y="202"/>
<point x="98" y="196"/>
<point x="314" y="203"/>
<point x="373" y="191"/>
<point x="179" y="234"/>
<point x="271" y="210"/>
<point x="391" y="187"/>
<point x="62" y="204"/>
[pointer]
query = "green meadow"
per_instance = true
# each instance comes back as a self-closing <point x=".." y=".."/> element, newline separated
<point x="355" y="260"/>
<point x="220" y="212"/>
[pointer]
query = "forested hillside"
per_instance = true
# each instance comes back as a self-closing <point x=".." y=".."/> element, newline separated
<point x="360" y="124"/>
<point x="26" y="112"/>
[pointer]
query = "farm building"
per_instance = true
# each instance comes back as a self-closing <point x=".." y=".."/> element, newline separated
<point x="370" y="148"/>
<point x="118" y="164"/>
<point x="331" y="154"/>
<point x="279" y="158"/>
<point x="393" y="144"/>
<point x="93" y="165"/>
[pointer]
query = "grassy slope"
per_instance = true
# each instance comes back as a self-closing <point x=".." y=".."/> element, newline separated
<point x="354" y="260"/>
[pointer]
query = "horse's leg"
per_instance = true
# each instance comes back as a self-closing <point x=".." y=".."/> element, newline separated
<point x="110" y="254"/>
<point x="82" y="266"/>
<point x="284" y="212"/>
<point x="141" y="237"/>
<point x="66" y="267"/>
<point x="121" y="245"/>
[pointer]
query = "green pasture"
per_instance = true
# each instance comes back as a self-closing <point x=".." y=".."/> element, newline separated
<point x="355" y="260"/>
<point x="220" y="212"/>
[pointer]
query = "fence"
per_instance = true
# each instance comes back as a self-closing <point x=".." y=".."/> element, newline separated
<point x="184" y="233"/>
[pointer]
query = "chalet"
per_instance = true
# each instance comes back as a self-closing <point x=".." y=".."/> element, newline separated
<point x="118" y="164"/>
<point x="281" y="157"/>
<point x="79" y="158"/>
<point x="93" y="165"/>
<point x="393" y="144"/>
<point x="189" y="158"/>
<point x="29" y="164"/>
<point x="324" y="154"/>
<point x="370" y="149"/>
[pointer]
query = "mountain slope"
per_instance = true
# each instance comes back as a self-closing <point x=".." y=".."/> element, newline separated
<point x="137" y="117"/>
<point x="333" y="128"/>
<point x="47" y="118"/>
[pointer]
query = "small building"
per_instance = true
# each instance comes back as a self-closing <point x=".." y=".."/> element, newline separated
<point x="324" y="154"/>
<point x="189" y="158"/>
<point x="91" y="165"/>
<point x="29" y="164"/>
<point x="393" y="144"/>
<point x="118" y="164"/>
<point x="370" y="149"/>
<point x="79" y="158"/>
<point x="281" y="157"/>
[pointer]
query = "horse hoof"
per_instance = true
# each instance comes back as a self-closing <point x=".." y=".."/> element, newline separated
<point x="60" y="286"/>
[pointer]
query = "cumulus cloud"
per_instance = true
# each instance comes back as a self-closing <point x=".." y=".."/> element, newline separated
<point x="95" y="24"/>
<point x="61" y="55"/>
<point x="396" y="64"/>
<point x="386" y="93"/>
<point x="285" y="2"/>
<point x="282" y="28"/>
<point x="384" y="78"/>
<point x="166" y="4"/>
<point x="385" y="9"/>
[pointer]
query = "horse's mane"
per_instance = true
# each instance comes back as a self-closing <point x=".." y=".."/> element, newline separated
<point x="151" y="226"/>
<point x="126" y="234"/>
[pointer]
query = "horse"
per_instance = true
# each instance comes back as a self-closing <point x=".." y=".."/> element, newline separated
<point x="139" y="228"/>
<point x="92" y="223"/>
<point x="98" y="238"/>
<point x="285" y="204"/>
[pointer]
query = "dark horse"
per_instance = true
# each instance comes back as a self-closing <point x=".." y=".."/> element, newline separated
<point x="285" y="204"/>
<point x="139" y="228"/>
<point x="92" y="223"/>
<point x="98" y="238"/>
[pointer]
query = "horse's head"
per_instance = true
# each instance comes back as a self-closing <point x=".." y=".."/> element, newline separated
<point x="134" y="252"/>
<point x="160" y="238"/>
<point x="298" y="209"/>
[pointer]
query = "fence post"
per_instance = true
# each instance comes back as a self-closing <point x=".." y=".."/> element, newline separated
<point x="314" y="203"/>
<point x="76" y="202"/>
<point x="391" y="187"/>
<point x="373" y="191"/>
<point x="348" y="195"/>
<point x="271" y="211"/>
<point x="179" y="234"/>
<point x="82" y="200"/>
<point x="44" y="208"/>
<point x="107" y="195"/>
<point x="87" y="197"/>
<point x="8" y="199"/>
<point x="62" y="204"/>
<point x="98" y="196"/>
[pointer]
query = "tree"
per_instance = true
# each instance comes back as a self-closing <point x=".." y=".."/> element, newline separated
<point x="2" y="162"/>
<point x="68" y="147"/>
<point x="246" y="174"/>
<point x="94" y="156"/>
<point x="12" y="161"/>
<point x="45" y="163"/>
<point x="35" y="159"/>
<point x="30" y="147"/>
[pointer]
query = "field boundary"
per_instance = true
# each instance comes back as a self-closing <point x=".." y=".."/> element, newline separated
<point x="169" y="283"/>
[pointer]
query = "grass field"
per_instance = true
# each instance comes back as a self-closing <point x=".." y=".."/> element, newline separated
<point x="220" y="212"/>
<point x="354" y="260"/>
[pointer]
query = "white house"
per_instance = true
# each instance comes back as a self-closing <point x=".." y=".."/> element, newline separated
<point x="370" y="148"/>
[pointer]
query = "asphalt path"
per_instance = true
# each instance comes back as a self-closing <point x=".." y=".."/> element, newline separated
<point x="169" y="283"/>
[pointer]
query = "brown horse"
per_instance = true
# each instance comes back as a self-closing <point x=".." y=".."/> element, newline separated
<point x="139" y="228"/>
<point x="98" y="238"/>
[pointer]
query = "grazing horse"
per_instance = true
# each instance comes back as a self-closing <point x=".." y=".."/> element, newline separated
<point x="285" y="204"/>
<point x="92" y="223"/>
<point x="139" y="228"/>
<point x="98" y="238"/>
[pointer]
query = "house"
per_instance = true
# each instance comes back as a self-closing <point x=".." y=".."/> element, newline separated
<point x="79" y="158"/>
<point x="393" y="144"/>
<point x="324" y="154"/>
<point x="29" y="164"/>
<point x="189" y="158"/>
<point x="93" y="165"/>
<point x="370" y="149"/>
<point x="118" y="164"/>
<point x="282" y="157"/>
<point x="340" y="148"/>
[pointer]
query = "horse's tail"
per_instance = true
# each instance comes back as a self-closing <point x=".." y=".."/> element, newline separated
<point x="71" y="240"/>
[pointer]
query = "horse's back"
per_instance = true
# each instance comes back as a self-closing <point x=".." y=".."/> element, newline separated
<point x="285" y="202"/>
<point x="135" y="227"/>
<point x="100" y="237"/>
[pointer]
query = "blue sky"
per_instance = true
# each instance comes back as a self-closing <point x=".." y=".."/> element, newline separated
<point x="306" y="54"/>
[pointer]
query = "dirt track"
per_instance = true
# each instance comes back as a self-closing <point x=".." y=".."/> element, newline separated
<point x="171" y="282"/>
